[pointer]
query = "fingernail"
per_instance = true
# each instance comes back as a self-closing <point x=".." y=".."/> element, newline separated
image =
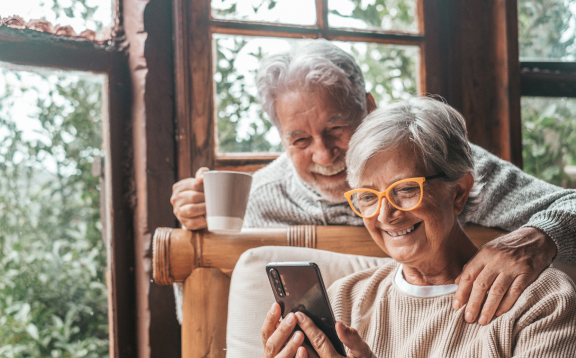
<point x="297" y="337"/>
<point x="456" y="305"/>
<point x="290" y="319"/>
<point x="300" y="316"/>
<point x="273" y="308"/>
<point x="469" y="317"/>
<point x="483" y="320"/>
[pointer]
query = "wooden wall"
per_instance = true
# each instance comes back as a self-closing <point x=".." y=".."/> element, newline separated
<point x="148" y="26"/>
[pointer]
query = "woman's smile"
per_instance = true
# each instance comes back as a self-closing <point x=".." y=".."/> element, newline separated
<point x="397" y="234"/>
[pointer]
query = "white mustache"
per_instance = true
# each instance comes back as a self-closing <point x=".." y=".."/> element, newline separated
<point x="338" y="166"/>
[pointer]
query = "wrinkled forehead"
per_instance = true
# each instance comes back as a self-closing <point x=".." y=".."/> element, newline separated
<point x="318" y="107"/>
<point x="391" y="165"/>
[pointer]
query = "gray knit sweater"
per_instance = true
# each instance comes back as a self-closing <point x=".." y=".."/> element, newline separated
<point x="511" y="199"/>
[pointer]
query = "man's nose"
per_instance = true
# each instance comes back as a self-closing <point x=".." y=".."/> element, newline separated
<point x="324" y="153"/>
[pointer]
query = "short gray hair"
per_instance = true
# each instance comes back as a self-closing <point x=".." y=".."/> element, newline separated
<point x="312" y="65"/>
<point x="432" y="128"/>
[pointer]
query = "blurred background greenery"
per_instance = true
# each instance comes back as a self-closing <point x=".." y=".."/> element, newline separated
<point x="53" y="299"/>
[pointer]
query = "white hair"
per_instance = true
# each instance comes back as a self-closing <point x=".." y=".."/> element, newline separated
<point x="436" y="131"/>
<point x="312" y="65"/>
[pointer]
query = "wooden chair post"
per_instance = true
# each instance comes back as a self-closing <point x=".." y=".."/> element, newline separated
<point x="205" y="311"/>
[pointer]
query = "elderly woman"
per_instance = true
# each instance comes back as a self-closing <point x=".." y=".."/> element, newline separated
<point x="414" y="173"/>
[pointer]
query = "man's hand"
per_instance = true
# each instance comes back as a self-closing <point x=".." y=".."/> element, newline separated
<point x="188" y="201"/>
<point x="504" y="268"/>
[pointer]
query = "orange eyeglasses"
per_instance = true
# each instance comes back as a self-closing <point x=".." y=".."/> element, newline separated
<point x="404" y="195"/>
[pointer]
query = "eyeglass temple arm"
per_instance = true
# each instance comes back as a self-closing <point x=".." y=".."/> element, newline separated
<point x="441" y="175"/>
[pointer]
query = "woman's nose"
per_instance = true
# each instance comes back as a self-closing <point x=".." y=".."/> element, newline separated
<point x="388" y="212"/>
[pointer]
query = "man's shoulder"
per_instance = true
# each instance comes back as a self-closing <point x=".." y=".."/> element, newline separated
<point x="277" y="172"/>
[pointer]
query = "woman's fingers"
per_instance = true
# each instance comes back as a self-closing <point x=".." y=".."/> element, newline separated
<point x="271" y="322"/>
<point x="282" y="342"/>
<point x="317" y="338"/>
<point x="351" y="339"/>
<point x="302" y="353"/>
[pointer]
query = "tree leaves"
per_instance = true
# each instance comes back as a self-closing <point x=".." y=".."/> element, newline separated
<point x="53" y="297"/>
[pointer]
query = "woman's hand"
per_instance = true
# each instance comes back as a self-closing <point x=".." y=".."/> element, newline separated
<point x="188" y="201"/>
<point x="322" y="345"/>
<point x="279" y="338"/>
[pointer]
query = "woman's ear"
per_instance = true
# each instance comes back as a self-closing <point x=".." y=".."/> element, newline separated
<point x="463" y="187"/>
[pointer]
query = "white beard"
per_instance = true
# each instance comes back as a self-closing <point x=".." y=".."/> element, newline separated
<point x="331" y="191"/>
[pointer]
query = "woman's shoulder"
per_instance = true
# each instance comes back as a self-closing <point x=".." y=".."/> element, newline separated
<point x="552" y="294"/>
<point x="552" y="282"/>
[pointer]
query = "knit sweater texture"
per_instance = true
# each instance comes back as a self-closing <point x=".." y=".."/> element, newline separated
<point x="511" y="199"/>
<point x="542" y="323"/>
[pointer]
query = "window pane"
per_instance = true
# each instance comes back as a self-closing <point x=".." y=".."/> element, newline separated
<point x="390" y="15"/>
<point x="547" y="29"/>
<point x="549" y="139"/>
<point x="53" y="295"/>
<point x="390" y="73"/>
<point x="80" y="14"/>
<point x="296" y="12"/>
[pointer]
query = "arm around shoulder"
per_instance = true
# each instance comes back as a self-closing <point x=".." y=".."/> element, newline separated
<point x="513" y="199"/>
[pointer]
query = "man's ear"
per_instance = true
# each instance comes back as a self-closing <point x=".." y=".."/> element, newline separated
<point x="370" y="102"/>
<point x="463" y="188"/>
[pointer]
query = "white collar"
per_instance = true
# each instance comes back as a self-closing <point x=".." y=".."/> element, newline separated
<point x="421" y="291"/>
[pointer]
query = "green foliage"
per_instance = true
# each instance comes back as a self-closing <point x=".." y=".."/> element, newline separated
<point x="385" y="14"/>
<point x="544" y="29"/>
<point x="53" y="296"/>
<point x="389" y="71"/>
<point x="549" y="138"/>
<point x="548" y="126"/>
<point x="235" y="102"/>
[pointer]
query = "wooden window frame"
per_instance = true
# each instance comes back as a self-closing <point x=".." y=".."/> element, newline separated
<point x="548" y="78"/>
<point x="194" y="85"/>
<point x="33" y="48"/>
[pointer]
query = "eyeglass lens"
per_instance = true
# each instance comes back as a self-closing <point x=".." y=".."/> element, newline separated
<point x="404" y="195"/>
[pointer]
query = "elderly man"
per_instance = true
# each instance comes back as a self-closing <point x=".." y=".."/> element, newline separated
<point x="315" y="95"/>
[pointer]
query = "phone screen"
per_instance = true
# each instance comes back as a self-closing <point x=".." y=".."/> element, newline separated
<point x="298" y="287"/>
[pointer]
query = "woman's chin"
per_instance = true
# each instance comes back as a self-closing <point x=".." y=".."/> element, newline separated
<point x="402" y="247"/>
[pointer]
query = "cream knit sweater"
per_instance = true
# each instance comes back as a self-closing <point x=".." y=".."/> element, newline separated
<point x="542" y="323"/>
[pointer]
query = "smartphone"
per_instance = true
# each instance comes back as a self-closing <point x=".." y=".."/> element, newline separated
<point x="298" y="286"/>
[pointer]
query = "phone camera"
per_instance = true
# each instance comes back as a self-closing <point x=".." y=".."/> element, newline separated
<point x="277" y="283"/>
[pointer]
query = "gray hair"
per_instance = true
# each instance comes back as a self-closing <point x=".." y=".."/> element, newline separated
<point x="432" y="128"/>
<point x="313" y="65"/>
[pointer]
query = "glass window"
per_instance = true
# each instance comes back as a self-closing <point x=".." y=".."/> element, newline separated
<point x="296" y="12"/>
<point x="388" y="15"/>
<point x="80" y="14"/>
<point x="547" y="29"/>
<point x="53" y="294"/>
<point x="390" y="72"/>
<point x="549" y="139"/>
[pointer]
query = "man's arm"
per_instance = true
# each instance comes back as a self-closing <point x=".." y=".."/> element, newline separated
<point x="541" y="218"/>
